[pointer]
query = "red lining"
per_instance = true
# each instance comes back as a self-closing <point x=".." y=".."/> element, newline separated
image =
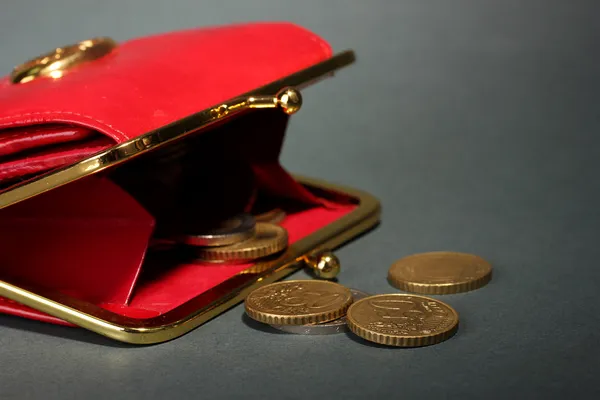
<point x="88" y="239"/>
<point x="174" y="286"/>
<point x="183" y="282"/>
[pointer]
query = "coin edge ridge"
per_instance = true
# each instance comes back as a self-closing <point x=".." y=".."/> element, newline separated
<point x="271" y="319"/>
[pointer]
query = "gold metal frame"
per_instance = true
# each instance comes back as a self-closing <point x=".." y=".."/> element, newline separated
<point x="214" y="301"/>
<point x="207" y="305"/>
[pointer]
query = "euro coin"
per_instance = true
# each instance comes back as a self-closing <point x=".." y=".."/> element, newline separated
<point x="402" y="320"/>
<point x="298" y="302"/>
<point x="440" y="272"/>
<point x="226" y="232"/>
<point x="326" y="328"/>
<point x="268" y="239"/>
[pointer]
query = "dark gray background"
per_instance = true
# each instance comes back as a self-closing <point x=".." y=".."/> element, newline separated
<point x="475" y="122"/>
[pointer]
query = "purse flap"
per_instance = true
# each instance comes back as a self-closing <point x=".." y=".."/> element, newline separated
<point x="149" y="82"/>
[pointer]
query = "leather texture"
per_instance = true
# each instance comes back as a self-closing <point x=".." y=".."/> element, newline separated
<point x="89" y="239"/>
<point x="17" y="140"/>
<point x="50" y="157"/>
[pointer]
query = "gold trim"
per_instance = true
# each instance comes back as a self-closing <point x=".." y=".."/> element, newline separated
<point x="270" y="95"/>
<point x="212" y="302"/>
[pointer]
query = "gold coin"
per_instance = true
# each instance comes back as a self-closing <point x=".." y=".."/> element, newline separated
<point x="298" y="302"/>
<point x="268" y="239"/>
<point x="402" y="320"/>
<point x="274" y="216"/>
<point x="440" y="272"/>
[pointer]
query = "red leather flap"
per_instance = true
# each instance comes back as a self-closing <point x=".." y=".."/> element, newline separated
<point x="149" y="82"/>
<point x="87" y="239"/>
<point x="51" y="157"/>
<point x="20" y="140"/>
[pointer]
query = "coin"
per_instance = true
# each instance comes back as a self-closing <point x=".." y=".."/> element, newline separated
<point x="267" y="240"/>
<point x="227" y="232"/>
<point x="402" y="320"/>
<point x="274" y="216"/>
<point x="326" y="328"/>
<point x="440" y="272"/>
<point x="298" y="302"/>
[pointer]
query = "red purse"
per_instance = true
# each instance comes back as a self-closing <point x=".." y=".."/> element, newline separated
<point x="108" y="149"/>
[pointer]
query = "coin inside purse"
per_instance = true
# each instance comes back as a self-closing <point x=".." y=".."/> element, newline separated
<point x="107" y="239"/>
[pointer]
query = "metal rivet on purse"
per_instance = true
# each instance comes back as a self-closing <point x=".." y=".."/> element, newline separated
<point x="55" y="63"/>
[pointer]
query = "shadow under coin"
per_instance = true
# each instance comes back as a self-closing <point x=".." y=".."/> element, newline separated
<point x="364" y="342"/>
<point x="260" y="326"/>
<point x="358" y="339"/>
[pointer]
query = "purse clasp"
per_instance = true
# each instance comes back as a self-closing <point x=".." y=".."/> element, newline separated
<point x="288" y="99"/>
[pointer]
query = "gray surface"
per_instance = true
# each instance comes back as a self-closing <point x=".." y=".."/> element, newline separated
<point x="475" y="122"/>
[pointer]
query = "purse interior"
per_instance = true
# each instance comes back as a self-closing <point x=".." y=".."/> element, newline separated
<point x="108" y="238"/>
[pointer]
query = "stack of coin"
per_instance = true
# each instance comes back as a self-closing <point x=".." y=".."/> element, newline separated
<point x="236" y="240"/>
<point x="298" y="302"/>
<point x="325" y="328"/>
<point x="401" y="320"/>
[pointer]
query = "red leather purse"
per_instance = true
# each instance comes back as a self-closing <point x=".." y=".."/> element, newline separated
<point x="106" y="149"/>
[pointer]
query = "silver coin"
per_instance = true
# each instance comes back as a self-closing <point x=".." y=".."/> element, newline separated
<point x="229" y="231"/>
<point x="274" y="216"/>
<point x="327" y="328"/>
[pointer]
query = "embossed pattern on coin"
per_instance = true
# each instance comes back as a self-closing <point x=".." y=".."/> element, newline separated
<point x="298" y="302"/>
<point x="326" y="328"/>
<point x="402" y="320"/>
<point x="440" y="272"/>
